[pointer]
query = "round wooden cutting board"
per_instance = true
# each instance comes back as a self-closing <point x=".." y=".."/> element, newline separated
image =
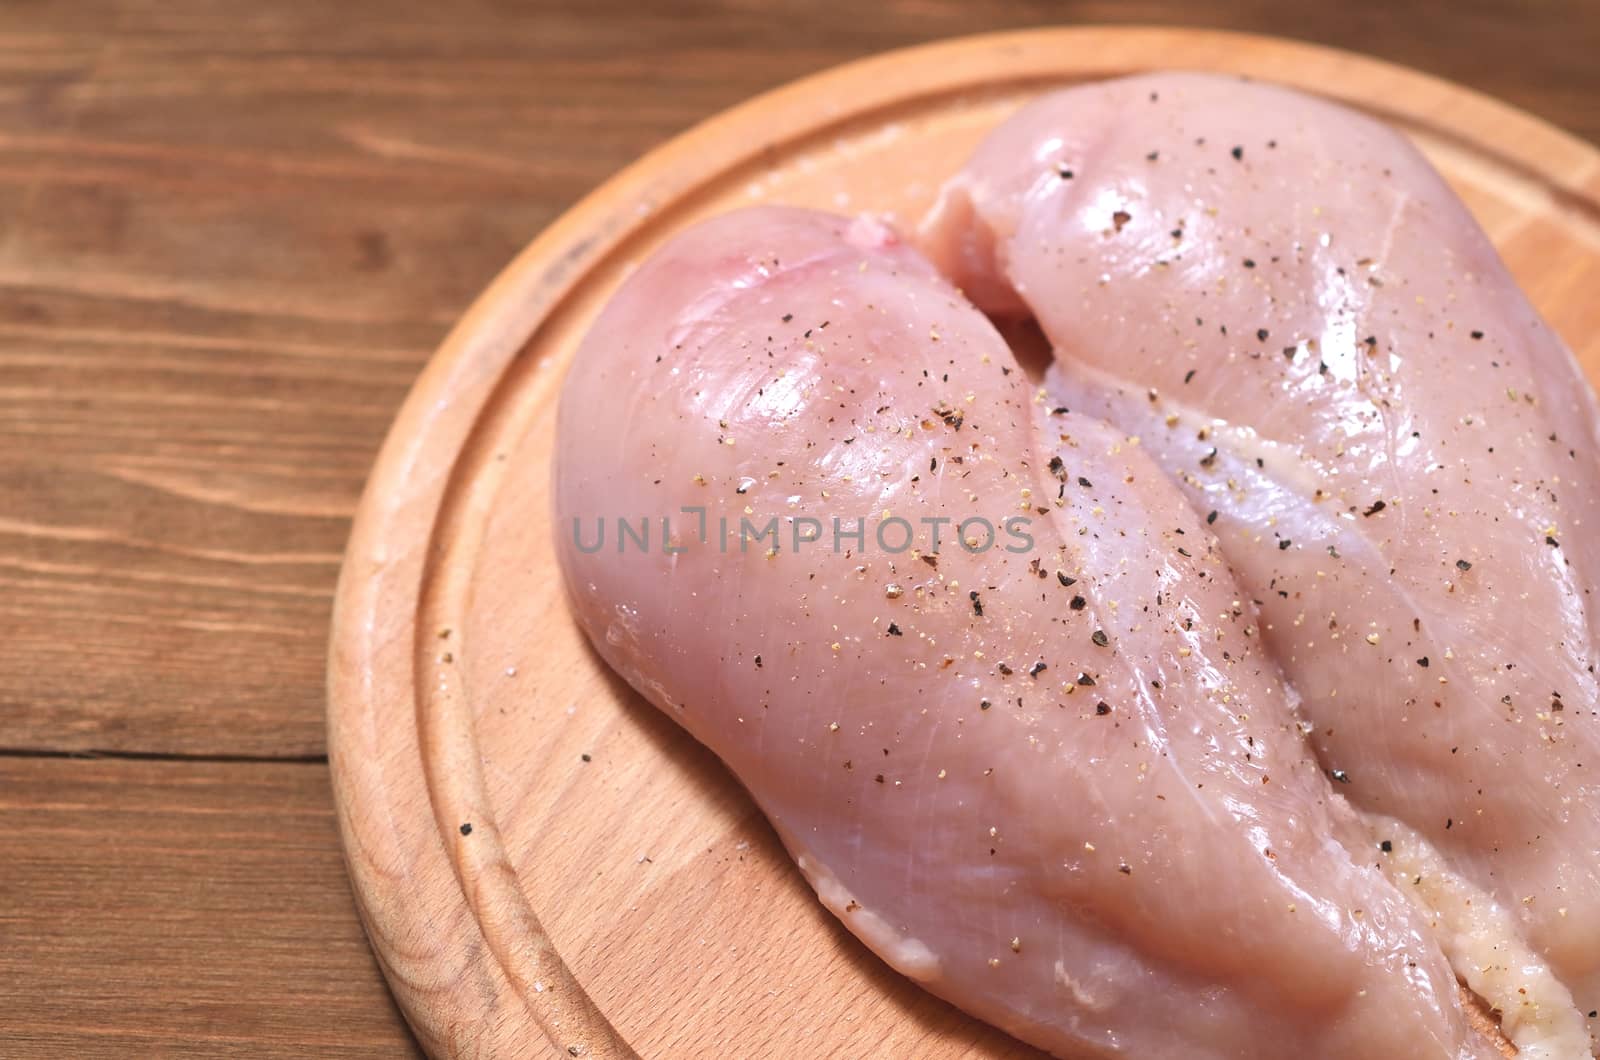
<point x="546" y="865"/>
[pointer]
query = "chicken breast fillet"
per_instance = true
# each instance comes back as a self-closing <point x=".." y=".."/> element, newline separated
<point x="1042" y="767"/>
<point x="1297" y="318"/>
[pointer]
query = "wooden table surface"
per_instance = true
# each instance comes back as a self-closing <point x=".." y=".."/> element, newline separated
<point x="231" y="232"/>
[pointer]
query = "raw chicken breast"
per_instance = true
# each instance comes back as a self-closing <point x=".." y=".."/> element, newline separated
<point x="1052" y="777"/>
<point x="1302" y="324"/>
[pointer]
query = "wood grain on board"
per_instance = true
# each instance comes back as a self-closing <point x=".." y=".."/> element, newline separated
<point x="524" y="842"/>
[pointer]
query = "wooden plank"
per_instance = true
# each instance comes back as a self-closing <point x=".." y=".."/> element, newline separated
<point x="148" y="908"/>
<point x="231" y="233"/>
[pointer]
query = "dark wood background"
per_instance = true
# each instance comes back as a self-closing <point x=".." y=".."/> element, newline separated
<point x="230" y="234"/>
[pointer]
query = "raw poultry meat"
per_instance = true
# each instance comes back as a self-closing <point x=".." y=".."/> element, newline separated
<point x="1295" y="316"/>
<point x="1044" y="768"/>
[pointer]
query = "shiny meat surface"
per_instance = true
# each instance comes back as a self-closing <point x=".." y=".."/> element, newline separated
<point x="1054" y="778"/>
<point x="1298" y="319"/>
